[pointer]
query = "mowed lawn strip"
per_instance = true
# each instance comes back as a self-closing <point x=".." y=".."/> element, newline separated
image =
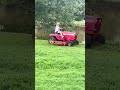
<point x="59" y="67"/>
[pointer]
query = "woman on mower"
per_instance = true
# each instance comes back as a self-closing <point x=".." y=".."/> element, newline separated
<point x="57" y="29"/>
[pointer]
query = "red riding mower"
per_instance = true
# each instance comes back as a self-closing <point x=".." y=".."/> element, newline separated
<point x="92" y="29"/>
<point x="69" y="39"/>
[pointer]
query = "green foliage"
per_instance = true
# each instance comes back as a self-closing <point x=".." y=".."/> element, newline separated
<point x="59" y="67"/>
<point x="47" y="12"/>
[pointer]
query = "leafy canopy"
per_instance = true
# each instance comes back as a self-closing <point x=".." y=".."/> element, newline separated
<point x="49" y="11"/>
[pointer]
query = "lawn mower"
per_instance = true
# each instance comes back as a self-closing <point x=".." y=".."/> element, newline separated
<point x="92" y="29"/>
<point x="69" y="39"/>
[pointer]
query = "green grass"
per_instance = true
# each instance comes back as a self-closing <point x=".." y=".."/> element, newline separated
<point x="103" y="67"/>
<point x="59" y="67"/>
<point x="16" y="61"/>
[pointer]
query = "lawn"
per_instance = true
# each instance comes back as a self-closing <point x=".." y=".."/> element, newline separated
<point x="16" y="61"/>
<point x="59" y="67"/>
<point x="103" y="67"/>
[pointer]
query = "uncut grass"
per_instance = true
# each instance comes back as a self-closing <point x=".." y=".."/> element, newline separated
<point x="59" y="67"/>
<point x="103" y="67"/>
<point x="16" y="61"/>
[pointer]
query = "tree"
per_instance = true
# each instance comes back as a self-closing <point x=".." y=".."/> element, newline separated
<point x="49" y="11"/>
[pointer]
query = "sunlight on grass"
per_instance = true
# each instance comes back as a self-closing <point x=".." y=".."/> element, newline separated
<point x="59" y="67"/>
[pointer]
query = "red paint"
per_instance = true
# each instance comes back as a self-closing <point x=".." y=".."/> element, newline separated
<point x="64" y="41"/>
<point x="92" y="25"/>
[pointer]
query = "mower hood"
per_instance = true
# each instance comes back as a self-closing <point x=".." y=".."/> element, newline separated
<point x="69" y="33"/>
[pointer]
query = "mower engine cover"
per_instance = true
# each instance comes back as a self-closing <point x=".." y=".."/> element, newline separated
<point x="67" y="36"/>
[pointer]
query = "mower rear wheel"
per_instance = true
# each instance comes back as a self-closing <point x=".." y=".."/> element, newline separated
<point x="70" y="43"/>
<point x="88" y="41"/>
<point x="51" y="38"/>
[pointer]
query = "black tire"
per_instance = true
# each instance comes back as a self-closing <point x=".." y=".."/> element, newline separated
<point x="70" y="43"/>
<point x="88" y="41"/>
<point x="51" y="38"/>
<point x="100" y="39"/>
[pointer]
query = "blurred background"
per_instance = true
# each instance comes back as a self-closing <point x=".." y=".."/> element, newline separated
<point x="109" y="11"/>
<point x="17" y="16"/>
<point x="69" y="13"/>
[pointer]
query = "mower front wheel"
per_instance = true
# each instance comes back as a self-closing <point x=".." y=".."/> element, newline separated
<point x="70" y="43"/>
<point x="51" y="38"/>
